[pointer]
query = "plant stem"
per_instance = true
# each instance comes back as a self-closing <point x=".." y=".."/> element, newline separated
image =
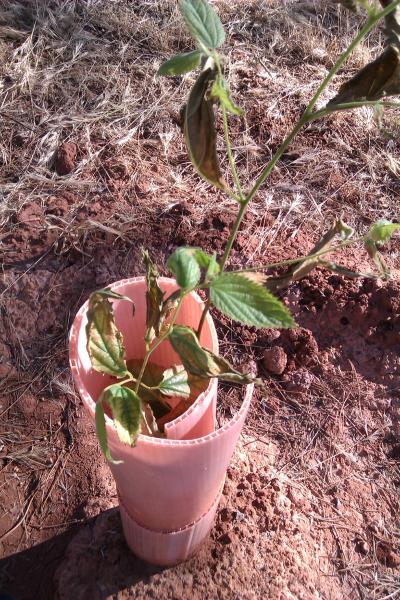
<point x="293" y="261"/>
<point x="372" y="20"/>
<point x="157" y="343"/>
<point x="135" y="380"/>
<point x="203" y="317"/>
<point x="307" y="117"/>
<point x="230" y="155"/>
<point x="328" y="110"/>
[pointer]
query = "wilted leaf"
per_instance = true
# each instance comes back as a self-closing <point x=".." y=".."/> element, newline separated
<point x="126" y="409"/>
<point x="154" y="299"/>
<point x="107" y="293"/>
<point x="345" y="271"/>
<point x="220" y="91"/>
<point x="102" y="433"/>
<point x="248" y="302"/>
<point x="378" y="79"/>
<point x="104" y="341"/>
<point x="181" y="63"/>
<point x="175" y="382"/>
<point x="304" y="267"/>
<point x="376" y="256"/>
<point x="169" y="306"/>
<point x="203" y="22"/>
<point x="323" y="245"/>
<point x="185" y="267"/>
<point x="392" y="21"/>
<point x="200" y="131"/>
<point x="382" y="230"/>
<point x="200" y="361"/>
<point x="149" y="415"/>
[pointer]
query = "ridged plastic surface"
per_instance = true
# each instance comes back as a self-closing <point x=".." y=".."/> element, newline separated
<point x="167" y="547"/>
<point x="164" y="484"/>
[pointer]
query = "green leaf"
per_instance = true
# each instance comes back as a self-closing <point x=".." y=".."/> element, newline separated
<point x="221" y="92"/>
<point x="181" y="63"/>
<point x="126" y="409"/>
<point x="378" y="79"/>
<point x="239" y="297"/>
<point x="201" y="361"/>
<point x="175" y="382"/>
<point x="213" y="267"/>
<point x="203" y="22"/>
<point x="104" y="341"/>
<point x="382" y="230"/>
<point x="203" y="259"/>
<point x="200" y="133"/>
<point x="185" y="267"/>
<point x="102" y="433"/>
<point x="154" y="299"/>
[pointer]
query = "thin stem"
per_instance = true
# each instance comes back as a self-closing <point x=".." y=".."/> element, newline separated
<point x="307" y="117"/>
<point x="157" y="343"/>
<point x="277" y="156"/>
<point x="293" y="261"/>
<point x="328" y="110"/>
<point x="370" y="23"/>
<point x="134" y="379"/>
<point x="229" y="152"/>
<point x="203" y="317"/>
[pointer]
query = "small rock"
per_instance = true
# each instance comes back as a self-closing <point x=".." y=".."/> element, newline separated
<point x="243" y="486"/>
<point x="27" y="404"/>
<point x="226" y="539"/>
<point x="31" y="214"/>
<point x="362" y="546"/>
<point x="65" y="158"/>
<point x="271" y="335"/>
<point x="57" y="206"/>
<point x="275" y="360"/>
<point x="275" y="484"/>
<point x="258" y="504"/>
<point x="238" y="515"/>
<point x="225" y="515"/>
<point x="251" y="477"/>
<point x="8" y="370"/>
<point x="295" y="497"/>
<point x="387" y="556"/>
<point x="299" y="381"/>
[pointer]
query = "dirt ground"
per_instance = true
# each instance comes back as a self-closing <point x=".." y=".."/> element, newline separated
<point x="93" y="167"/>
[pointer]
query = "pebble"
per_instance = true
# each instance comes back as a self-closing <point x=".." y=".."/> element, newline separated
<point x="275" y="360"/>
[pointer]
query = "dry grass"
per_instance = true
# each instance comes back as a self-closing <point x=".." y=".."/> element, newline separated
<point x="85" y="72"/>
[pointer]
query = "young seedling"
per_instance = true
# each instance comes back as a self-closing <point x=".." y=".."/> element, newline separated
<point x="139" y="399"/>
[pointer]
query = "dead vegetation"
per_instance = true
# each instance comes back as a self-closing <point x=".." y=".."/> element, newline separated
<point x="83" y="73"/>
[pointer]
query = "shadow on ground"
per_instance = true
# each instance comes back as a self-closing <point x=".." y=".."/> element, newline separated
<point x="89" y="562"/>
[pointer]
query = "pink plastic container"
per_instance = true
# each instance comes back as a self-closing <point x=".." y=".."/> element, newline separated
<point x="169" y="489"/>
